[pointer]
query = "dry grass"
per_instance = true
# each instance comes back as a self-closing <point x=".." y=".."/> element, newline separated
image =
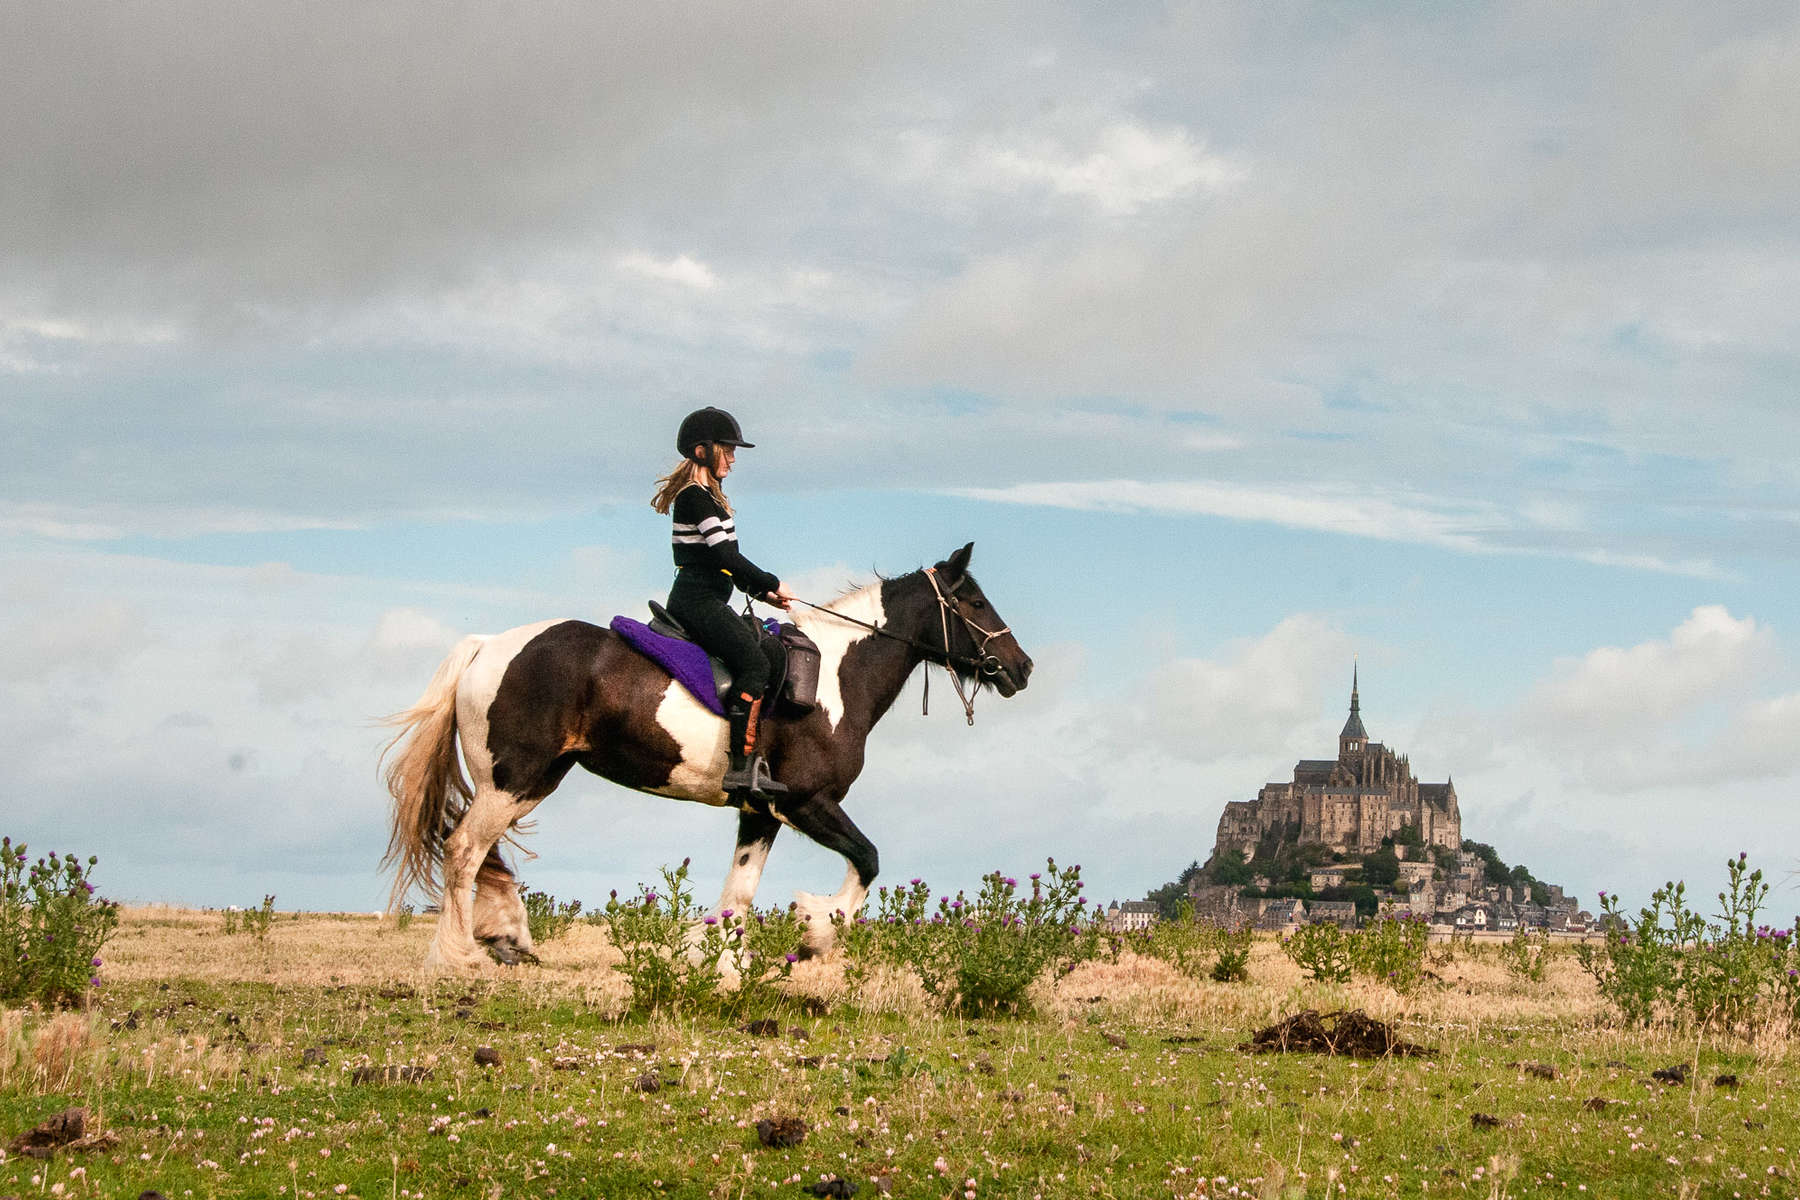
<point x="212" y="1054"/>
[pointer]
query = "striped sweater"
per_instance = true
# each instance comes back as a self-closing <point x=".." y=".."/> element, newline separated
<point x="705" y="539"/>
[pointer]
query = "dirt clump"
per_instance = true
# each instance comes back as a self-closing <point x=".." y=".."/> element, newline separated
<point x="1354" y="1034"/>
<point x="781" y="1132"/>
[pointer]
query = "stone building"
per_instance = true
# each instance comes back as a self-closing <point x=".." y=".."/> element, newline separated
<point x="1133" y="914"/>
<point x="1349" y="803"/>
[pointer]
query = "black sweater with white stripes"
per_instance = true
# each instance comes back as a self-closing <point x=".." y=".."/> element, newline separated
<point x="705" y="539"/>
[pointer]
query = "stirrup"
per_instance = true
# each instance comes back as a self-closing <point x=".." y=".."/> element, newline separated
<point x="753" y="779"/>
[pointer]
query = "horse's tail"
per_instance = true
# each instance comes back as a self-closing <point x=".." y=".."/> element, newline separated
<point x="426" y="779"/>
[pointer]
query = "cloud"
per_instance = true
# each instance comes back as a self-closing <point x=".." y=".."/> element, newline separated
<point x="1630" y="692"/>
<point x="1355" y="511"/>
<point x="1250" y="701"/>
<point x="681" y="269"/>
<point x="1121" y="169"/>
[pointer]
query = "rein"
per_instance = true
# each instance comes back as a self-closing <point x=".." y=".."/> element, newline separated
<point x="981" y="661"/>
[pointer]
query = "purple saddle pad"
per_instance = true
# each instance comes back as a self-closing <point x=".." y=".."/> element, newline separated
<point x="687" y="662"/>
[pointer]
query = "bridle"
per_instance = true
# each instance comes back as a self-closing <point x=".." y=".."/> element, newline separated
<point x="980" y="663"/>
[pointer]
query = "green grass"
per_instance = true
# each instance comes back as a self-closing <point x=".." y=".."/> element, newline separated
<point x="209" y="1090"/>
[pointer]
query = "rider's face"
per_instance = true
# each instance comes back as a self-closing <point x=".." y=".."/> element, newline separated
<point x="722" y="458"/>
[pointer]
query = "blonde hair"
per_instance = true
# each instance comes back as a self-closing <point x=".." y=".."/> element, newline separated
<point x="686" y="472"/>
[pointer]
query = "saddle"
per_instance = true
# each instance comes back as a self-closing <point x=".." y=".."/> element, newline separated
<point x="793" y="659"/>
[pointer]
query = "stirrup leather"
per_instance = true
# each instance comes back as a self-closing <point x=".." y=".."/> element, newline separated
<point x="749" y="771"/>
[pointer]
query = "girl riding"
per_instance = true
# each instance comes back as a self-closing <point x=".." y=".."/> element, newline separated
<point x="708" y="564"/>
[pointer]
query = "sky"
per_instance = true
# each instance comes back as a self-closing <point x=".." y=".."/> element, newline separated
<point x="1247" y="342"/>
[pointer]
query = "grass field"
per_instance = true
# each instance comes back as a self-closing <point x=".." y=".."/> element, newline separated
<point x="320" y="1062"/>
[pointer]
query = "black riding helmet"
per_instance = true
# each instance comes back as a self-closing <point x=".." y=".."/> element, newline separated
<point x="709" y="425"/>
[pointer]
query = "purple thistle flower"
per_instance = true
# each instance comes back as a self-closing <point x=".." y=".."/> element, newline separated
<point x="725" y="913"/>
<point x="89" y="887"/>
<point x="1011" y="883"/>
<point x="93" y="981"/>
<point x="95" y="963"/>
<point x="793" y="958"/>
<point x="712" y="920"/>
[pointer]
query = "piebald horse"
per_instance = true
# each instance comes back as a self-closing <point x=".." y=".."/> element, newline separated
<point x="529" y="704"/>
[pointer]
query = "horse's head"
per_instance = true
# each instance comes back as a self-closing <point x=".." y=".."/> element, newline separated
<point x="976" y="632"/>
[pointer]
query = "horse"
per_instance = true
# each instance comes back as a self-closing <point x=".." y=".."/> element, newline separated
<point x="529" y="704"/>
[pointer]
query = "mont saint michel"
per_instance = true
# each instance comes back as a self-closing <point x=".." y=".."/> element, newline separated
<point x="1356" y="835"/>
<point x="1349" y="803"/>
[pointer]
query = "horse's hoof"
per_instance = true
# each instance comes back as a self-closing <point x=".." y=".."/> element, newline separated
<point x="509" y="953"/>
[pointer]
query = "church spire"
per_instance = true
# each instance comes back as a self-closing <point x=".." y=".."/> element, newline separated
<point x="1353" y="728"/>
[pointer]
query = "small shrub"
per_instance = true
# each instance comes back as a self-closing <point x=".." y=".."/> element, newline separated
<point x="1526" y="954"/>
<point x="1231" y="964"/>
<point x="257" y="920"/>
<point x="403" y="918"/>
<point x="52" y="927"/>
<point x="671" y="953"/>
<point x="1671" y="963"/>
<point x="1638" y="965"/>
<point x="231" y="921"/>
<point x="980" y="957"/>
<point x="1322" y="950"/>
<point x="547" y="918"/>
<point x="1197" y="949"/>
<point x="1391" y="950"/>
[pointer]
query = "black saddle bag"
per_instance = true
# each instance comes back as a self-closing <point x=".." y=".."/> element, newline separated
<point x="800" y="687"/>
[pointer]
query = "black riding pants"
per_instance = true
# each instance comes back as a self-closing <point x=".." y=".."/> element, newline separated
<point x="701" y="601"/>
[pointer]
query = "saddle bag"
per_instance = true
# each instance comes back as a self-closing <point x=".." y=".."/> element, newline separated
<point x="800" y="689"/>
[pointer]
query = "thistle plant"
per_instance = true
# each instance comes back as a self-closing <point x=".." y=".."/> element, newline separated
<point x="1671" y="963"/>
<point x="1526" y="954"/>
<point x="547" y="918"/>
<point x="52" y="927"/>
<point x="671" y="952"/>
<point x="257" y="920"/>
<point x="977" y="957"/>
<point x="1391" y="950"/>
<point x="1322" y="950"/>
<point x="1197" y="949"/>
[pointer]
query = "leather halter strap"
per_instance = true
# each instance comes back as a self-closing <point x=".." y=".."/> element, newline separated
<point x="981" y="662"/>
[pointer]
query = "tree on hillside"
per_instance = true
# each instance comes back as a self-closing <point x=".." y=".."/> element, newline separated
<point x="1170" y="895"/>
<point x="1381" y="868"/>
<point x="1493" y="868"/>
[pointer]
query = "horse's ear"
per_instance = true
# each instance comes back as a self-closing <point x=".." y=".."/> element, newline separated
<point x="957" y="565"/>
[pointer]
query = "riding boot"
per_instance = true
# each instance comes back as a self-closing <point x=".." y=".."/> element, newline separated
<point x="748" y="775"/>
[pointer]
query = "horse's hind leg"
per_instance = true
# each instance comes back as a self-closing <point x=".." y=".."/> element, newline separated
<point x="490" y="814"/>
<point x="500" y="922"/>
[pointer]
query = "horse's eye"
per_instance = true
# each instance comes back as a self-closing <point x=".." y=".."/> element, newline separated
<point x="978" y="603"/>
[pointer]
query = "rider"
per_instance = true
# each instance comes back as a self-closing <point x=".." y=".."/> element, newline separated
<point x="707" y="564"/>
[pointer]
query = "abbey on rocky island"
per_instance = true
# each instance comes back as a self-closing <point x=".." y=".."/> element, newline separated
<point x="1349" y="803"/>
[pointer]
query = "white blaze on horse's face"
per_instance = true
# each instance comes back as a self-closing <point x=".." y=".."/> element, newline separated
<point x="702" y="735"/>
<point x="834" y="639"/>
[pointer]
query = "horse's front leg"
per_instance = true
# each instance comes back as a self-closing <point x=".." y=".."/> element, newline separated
<point x="824" y="821"/>
<point x="756" y="833"/>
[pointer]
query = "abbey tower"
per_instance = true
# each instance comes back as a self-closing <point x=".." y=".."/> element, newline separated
<point x="1349" y="803"/>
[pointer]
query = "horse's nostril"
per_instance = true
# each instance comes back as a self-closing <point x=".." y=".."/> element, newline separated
<point x="1025" y="671"/>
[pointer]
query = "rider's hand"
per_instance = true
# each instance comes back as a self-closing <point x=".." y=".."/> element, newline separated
<point x="781" y="597"/>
